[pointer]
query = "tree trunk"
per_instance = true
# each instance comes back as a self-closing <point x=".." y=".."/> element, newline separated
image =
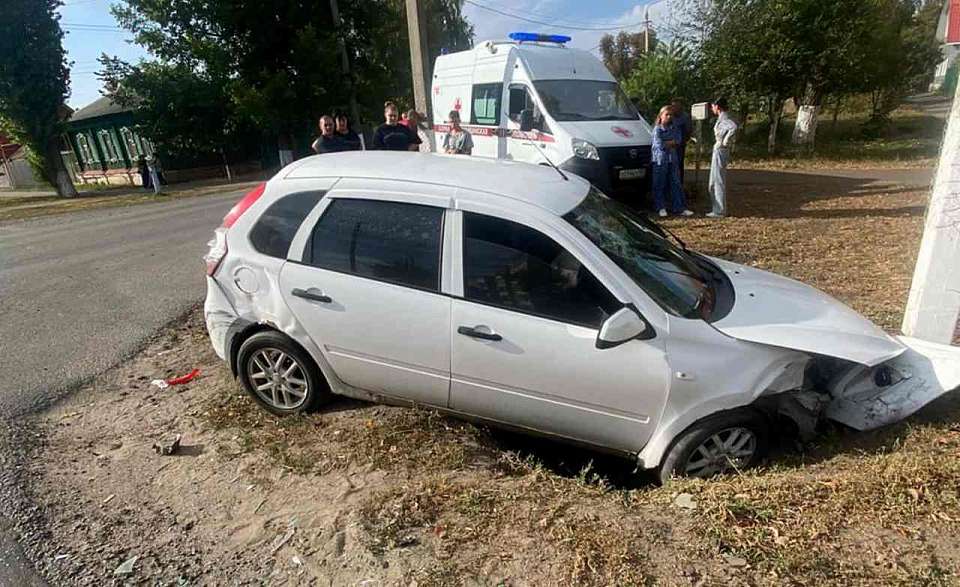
<point x="805" y="130"/>
<point x="57" y="172"/>
<point x="285" y="149"/>
<point x="808" y="116"/>
<point x="774" y="114"/>
<point x="836" y="113"/>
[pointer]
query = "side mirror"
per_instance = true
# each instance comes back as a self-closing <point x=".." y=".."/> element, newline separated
<point x="625" y="325"/>
<point x="526" y="120"/>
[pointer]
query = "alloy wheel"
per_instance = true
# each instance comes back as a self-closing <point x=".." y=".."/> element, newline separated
<point x="730" y="449"/>
<point x="277" y="378"/>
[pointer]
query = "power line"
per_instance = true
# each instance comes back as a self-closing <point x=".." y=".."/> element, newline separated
<point x="540" y="22"/>
<point x="553" y="20"/>
<point x="104" y="27"/>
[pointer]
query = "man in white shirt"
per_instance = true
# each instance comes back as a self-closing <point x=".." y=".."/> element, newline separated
<point x="724" y="132"/>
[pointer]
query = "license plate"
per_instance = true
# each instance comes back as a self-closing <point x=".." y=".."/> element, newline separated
<point x="633" y="173"/>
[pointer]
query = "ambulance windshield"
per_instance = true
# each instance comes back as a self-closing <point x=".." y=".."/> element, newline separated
<point x="585" y="100"/>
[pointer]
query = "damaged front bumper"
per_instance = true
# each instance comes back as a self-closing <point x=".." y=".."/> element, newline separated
<point x="865" y="398"/>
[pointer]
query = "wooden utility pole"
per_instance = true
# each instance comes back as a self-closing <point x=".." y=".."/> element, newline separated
<point x="345" y="63"/>
<point x="419" y="59"/>
<point x="933" y="308"/>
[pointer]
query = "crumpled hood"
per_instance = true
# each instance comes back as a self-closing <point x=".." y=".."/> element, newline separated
<point x="775" y="310"/>
<point x="610" y="133"/>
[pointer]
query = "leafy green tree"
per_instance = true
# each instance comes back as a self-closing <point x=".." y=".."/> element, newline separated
<point x="278" y="65"/>
<point x="621" y="53"/>
<point x="668" y="72"/>
<point x="749" y="56"/>
<point x="904" y="48"/>
<point x="34" y="84"/>
<point x="185" y="113"/>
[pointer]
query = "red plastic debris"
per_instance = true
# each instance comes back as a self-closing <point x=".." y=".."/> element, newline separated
<point x="183" y="378"/>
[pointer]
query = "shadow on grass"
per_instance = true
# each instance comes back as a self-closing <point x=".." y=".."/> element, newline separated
<point x="774" y="194"/>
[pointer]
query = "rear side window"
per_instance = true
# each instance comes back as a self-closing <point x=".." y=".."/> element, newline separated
<point x="274" y="231"/>
<point x="486" y="104"/>
<point x="387" y="241"/>
<point x="512" y="266"/>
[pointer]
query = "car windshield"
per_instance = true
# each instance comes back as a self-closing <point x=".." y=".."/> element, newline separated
<point x="584" y="100"/>
<point x="667" y="273"/>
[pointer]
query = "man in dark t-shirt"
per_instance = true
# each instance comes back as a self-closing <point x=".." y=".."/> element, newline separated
<point x="329" y="141"/>
<point x="393" y="136"/>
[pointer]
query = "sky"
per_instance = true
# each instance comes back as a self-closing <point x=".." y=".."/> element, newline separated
<point x="90" y="29"/>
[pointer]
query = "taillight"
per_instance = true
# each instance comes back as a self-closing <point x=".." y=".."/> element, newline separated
<point x="218" y="250"/>
<point x="240" y="207"/>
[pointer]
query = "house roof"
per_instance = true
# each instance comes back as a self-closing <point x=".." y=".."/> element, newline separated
<point x="100" y="107"/>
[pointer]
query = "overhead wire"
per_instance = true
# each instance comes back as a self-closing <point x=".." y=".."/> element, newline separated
<point x="545" y="23"/>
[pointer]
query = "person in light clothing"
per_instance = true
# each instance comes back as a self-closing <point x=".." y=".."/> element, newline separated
<point x="724" y="132"/>
<point x="458" y="141"/>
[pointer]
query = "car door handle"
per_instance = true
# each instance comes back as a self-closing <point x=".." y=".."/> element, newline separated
<point x="474" y="333"/>
<point x="316" y="296"/>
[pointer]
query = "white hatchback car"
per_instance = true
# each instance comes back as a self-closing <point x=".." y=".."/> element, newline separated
<point x="506" y="293"/>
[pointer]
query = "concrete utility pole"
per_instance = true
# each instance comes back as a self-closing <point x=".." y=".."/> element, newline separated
<point x="419" y="60"/>
<point x="933" y="308"/>
<point x="646" y="29"/>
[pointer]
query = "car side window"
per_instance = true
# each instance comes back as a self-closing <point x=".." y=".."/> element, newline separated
<point x="276" y="227"/>
<point x="387" y="241"/>
<point x="512" y="266"/>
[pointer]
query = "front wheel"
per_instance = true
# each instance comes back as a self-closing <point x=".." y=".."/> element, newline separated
<point x="720" y="444"/>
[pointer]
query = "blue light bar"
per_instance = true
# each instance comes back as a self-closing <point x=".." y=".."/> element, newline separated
<point x="537" y="37"/>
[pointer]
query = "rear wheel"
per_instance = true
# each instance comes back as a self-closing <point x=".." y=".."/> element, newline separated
<point x="279" y="375"/>
<point x="725" y="443"/>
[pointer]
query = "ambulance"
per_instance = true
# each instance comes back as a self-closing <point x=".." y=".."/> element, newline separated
<point x="531" y="98"/>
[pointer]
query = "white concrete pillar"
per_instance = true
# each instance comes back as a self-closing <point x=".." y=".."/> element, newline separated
<point x="933" y="308"/>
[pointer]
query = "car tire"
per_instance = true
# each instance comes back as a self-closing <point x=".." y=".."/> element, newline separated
<point x="718" y="444"/>
<point x="280" y="375"/>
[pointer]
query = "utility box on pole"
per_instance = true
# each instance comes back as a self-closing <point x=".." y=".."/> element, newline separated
<point x="933" y="308"/>
<point x="419" y="59"/>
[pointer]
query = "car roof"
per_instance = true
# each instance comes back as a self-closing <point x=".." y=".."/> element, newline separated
<point x="538" y="185"/>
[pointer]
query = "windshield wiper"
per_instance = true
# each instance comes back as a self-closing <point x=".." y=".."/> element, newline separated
<point x="680" y="242"/>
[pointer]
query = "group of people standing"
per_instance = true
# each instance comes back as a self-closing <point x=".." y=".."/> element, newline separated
<point x="671" y="134"/>
<point x="407" y="133"/>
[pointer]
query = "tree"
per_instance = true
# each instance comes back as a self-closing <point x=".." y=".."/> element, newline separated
<point x="667" y="73"/>
<point x="903" y="46"/>
<point x="278" y="65"/>
<point x="622" y="52"/>
<point x="749" y="56"/>
<point x="185" y="113"/>
<point x="34" y="85"/>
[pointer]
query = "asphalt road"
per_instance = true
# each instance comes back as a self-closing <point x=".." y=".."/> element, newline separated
<point x="80" y="292"/>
